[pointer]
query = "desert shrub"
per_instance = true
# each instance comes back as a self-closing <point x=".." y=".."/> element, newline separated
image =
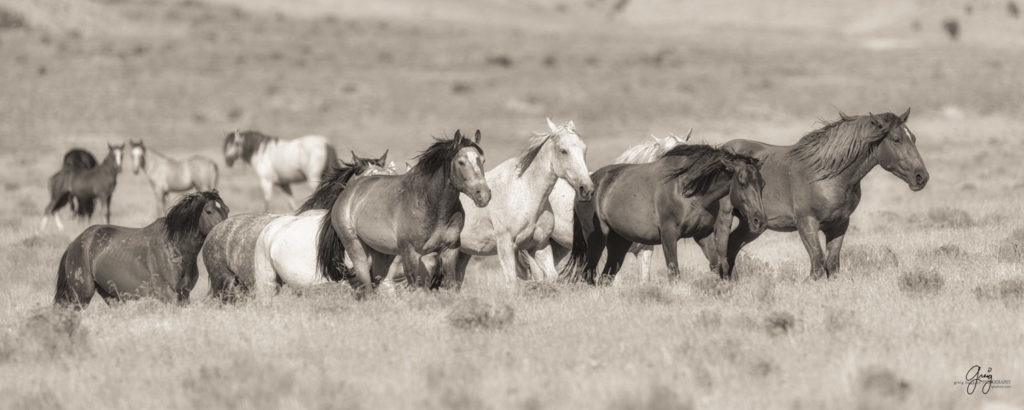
<point x="713" y="287"/>
<point x="1012" y="249"/>
<point x="241" y="383"/>
<point x="921" y="282"/>
<point x="659" y="397"/>
<point x="779" y="323"/>
<point x="880" y="388"/>
<point x="48" y="332"/>
<point x="1009" y="291"/>
<point x="868" y="259"/>
<point x="474" y="313"/>
<point x="763" y="368"/>
<point x="10" y="20"/>
<point x="949" y="217"/>
<point x="948" y="250"/>
<point x="649" y="293"/>
<point x="500" y="60"/>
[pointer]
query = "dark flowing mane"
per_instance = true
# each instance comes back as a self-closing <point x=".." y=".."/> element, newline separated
<point x="251" y="142"/>
<point x="706" y="164"/>
<point x="531" y="153"/>
<point x="439" y="154"/>
<point x="182" y="220"/>
<point x="335" y="179"/>
<point x="77" y="158"/>
<point x="830" y="150"/>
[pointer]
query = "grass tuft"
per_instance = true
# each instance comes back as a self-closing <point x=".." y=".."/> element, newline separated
<point x="921" y="282"/>
<point x="539" y="290"/>
<point x="48" y="333"/>
<point x="474" y="313"/>
<point x="1012" y="249"/>
<point x="713" y="287"/>
<point x="649" y="293"/>
<point x="869" y="259"/>
<point x="949" y="217"/>
<point x="1009" y="291"/>
<point x="880" y="388"/>
<point x="779" y="323"/>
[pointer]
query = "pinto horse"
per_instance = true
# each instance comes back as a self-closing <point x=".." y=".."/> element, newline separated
<point x="417" y="215"/>
<point x="253" y="254"/>
<point x="814" y="185"/>
<point x="674" y="197"/>
<point x="158" y="260"/>
<point x="515" y="220"/>
<point x="281" y="162"/>
<point x="168" y="175"/>
<point x="82" y="187"/>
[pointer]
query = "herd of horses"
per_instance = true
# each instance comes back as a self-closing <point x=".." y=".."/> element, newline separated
<point x="543" y="213"/>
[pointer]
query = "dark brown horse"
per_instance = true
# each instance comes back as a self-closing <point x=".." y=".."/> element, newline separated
<point x="417" y="215"/>
<point x="675" y="197"/>
<point x="83" y="186"/>
<point x="814" y="185"/>
<point x="158" y="260"/>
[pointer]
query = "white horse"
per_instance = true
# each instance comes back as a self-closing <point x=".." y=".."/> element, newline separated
<point x="513" y="222"/>
<point x="281" y="162"/>
<point x="563" y="198"/>
<point x="168" y="175"/>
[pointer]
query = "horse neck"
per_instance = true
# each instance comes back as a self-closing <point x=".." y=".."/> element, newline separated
<point x="108" y="165"/>
<point x="853" y="174"/>
<point x="188" y="248"/>
<point x="540" y="177"/>
<point x="437" y="191"/>
<point x="154" y="160"/>
<point x="719" y="189"/>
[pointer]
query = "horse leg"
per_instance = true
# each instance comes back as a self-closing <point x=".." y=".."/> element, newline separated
<point x="106" y="206"/>
<point x="268" y="190"/>
<point x="710" y="250"/>
<point x="507" y="257"/>
<point x="669" y="237"/>
<point x="617" y="247"/>
<point x="431" y="263"/>
<point x="643" y="254"/>
<point x="287" y="189"/>
<point x="359" y="253"/>
<point x="381" y="264"/>
<point x="808" y="228"/>
<point x="544" y="260"/>
<point x="741" y="236"/>
<point x="595" y="246"/>
<point x="455" y="263"/>
<point x="411" y="265"/>
<point x="834" y="243"/>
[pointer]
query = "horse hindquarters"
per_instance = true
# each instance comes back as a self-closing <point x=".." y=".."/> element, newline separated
<point x="75" y="287"/>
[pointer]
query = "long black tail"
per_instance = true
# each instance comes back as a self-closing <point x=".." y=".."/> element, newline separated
<point x="573" y="269"/>
<point x="330" y="163"/>
<point x="64" y="295"/>
<point x="77" y="158"/>
<point x="61" y="194"/>
<point x="330" y="251"/>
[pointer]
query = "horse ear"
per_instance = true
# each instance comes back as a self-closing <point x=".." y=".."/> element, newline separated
<point x="876" y="121"/>
<point x="843" y="116"/>
<point x="476" y="137"/>
<point x="385" y="156"/>
<point x="551" y="125"/>
<point x="686" y="138"/>
<point x="571" y="125"/>
<point x="458" y="136"/>
<point x="905" y="116"/>
<point x="355" y="158"/>
<point x="729" y="165"/>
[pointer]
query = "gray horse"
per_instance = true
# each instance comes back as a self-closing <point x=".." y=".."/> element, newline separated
<point x="167" y="174"/>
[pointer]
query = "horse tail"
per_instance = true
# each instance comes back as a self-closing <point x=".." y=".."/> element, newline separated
<point x="65" y="295"/>
<point x="571" y="272"/>
<point x="216" y="176"/>
<point x="331" y="162"/>
<point x="330" y="252"/>
<point x="59" y="195"/>
<point x="332" y="184"/>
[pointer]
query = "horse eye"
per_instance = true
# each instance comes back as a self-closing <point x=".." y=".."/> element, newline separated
<point x="564" y="151"/>
<point x="461" y="163"/>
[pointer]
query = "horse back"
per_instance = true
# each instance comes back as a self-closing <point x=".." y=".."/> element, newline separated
<point x="229" y="252"/>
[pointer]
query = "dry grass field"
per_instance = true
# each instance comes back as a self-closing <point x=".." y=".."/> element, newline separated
<point x="932" y="281"/>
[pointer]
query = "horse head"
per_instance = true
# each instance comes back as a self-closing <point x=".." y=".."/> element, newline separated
<point x="745" y="189"/>
<point x="569" y="158"/>
<point x="897" y="151"/>
<point x="233" y="147"/>
<point x="117" y="153"/>
<point x="467" y="169"/>
<point x="138" y="152"/>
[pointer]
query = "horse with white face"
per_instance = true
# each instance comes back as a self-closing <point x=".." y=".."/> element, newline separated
<point x="281" y="162"/>
<point x="168" y="175"/>
<point x="515" y="220"/>
<point x="563" y="197"/>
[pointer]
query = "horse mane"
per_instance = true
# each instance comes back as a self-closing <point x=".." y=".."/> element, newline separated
<point x="642" y="153"/>
<point x="833" y="148"/>
<point x="706" y="164"/>
<point x="437" y="156"/>
<point x="536" y="143"/>
<point x="334" y="180"/>
<point x="182" y="220"/>
<point x="251" y="142"/>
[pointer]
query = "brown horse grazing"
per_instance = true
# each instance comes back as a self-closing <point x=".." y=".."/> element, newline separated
<point x="417" y="215"/>
<point x="158" y="260"/>
<point x="675" y="197"/>
<point x="814" y="185"/>
<point x="82" y="186"/>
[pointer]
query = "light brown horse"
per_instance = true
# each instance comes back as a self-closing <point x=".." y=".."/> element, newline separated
<point x="417" y="215"/>
<point x="168" y="175"/>
<point x="814" y="185"/>
<point x="675" y="197"/>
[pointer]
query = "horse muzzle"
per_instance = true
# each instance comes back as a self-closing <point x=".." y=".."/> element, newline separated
<point x="481" y="196"/>
<point x="918" y="180"/>
<point x="585" y="192"/>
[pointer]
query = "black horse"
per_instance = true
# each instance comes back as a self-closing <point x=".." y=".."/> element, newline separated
<point x="80" y="183"/>
<point x="158" y="260"/>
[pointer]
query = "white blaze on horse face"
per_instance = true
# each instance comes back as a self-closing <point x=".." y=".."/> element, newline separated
<point x="136" y="158"/>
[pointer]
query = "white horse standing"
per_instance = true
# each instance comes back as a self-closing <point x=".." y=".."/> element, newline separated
<point x="281" y="162"/>
<point x="168" y="175"/>
<point x="513" y="222"/>
<point x="563" y="198"/>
